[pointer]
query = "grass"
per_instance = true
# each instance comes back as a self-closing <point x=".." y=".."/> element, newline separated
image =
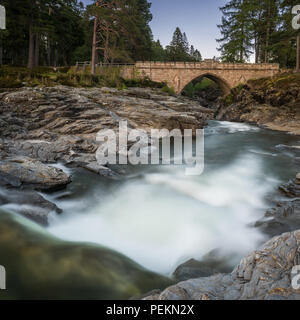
<point x="280" y="82"/>
<point x="17" y="77"/>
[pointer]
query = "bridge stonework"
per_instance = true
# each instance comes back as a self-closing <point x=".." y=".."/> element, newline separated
<point x="180" y="74"/>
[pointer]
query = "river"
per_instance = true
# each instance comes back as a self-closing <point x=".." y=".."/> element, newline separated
<point x="160" y="218"/>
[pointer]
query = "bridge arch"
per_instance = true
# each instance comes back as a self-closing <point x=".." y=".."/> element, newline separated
<point x="180" y="74"/>
<point x="221" y="82"/>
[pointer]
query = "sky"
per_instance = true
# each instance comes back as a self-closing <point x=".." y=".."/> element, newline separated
<point x="197" y="18"/>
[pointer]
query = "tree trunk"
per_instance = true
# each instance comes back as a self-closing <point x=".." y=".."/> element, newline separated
<point x="268" y="33"/>
<point x="65" y="60"/>
<point x="106" y="54"/>
<point x="257" y="48"/>
<point x="298" y="53"/>
<point x="37" y="50"/>
<point x="49" y="52"/>
<point x="30" y="64"/>
<point x="1" y="56"/>
<point x="94" y="49"/>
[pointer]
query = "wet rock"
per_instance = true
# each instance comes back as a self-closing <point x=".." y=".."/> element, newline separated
<point x="61" y="123"/>
<point x="293" y="149"/>
<point x="285" y="217"/>
<point x="101" y="170"/>
<point x="49" y="268"/>
<point x="30" y="173"/>
<point x="292" y="188"/>
<point x="210" y="264"/>
<point x="29" y="204"/>
<point x="267" y="103"/>
<point x="264" y="274"/>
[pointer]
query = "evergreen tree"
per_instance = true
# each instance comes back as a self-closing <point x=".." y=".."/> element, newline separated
<point x="178" y="49"/>
<point x="121" y="31"/>
<point x="236" y="41"/>
<point x="192" y="51"/>
<point x="260" y="26"/>
<point x="158" y="52"/>
<point x="38" y="29"/>
<point x="197" y="56"/>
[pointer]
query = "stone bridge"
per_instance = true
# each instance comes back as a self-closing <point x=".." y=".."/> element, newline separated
<point x="180" y="74"/>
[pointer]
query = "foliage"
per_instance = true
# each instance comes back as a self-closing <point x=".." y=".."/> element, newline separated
<point x="16" y="77"/>
<point x="198" y="85"/>
<point x="167" y="89"/>
<point x="262" y="27"/>
<point x="179" y="49"/>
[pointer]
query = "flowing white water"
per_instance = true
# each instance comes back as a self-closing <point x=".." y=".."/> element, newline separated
<point x="163" y="218"/>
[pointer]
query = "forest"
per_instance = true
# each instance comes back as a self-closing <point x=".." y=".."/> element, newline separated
<point x="62" y="32"/>
<point x="262" y="28"/>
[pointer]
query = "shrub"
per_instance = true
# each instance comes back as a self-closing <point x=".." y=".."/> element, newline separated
<point x="168" y="90"/>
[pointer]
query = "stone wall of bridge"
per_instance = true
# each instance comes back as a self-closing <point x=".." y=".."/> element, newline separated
<point x="180" y="74"/>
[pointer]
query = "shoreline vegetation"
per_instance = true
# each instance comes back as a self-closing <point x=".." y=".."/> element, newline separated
<point x="272" y="102"/>
<point x="17" y="77"/>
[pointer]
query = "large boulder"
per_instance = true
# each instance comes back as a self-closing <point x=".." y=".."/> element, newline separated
<point x="266" y="274"/>
<point x="212" y="263"/>
<point x="270" y="102"/>
<point x="285" y="217"/>
<point x="28" y="203"/>
<point x="30" y="173"/>
<point x="61" y="123"/>
<point x="39" y="266"/>
<point x="292" y="188"/>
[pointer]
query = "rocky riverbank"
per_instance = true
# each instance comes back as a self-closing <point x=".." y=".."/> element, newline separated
<point x="40" y="127"/>
<point x="265" y="274"/>
<point x="273" y="103"/>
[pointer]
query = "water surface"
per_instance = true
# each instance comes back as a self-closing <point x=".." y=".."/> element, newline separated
<point x="160" y="217"/>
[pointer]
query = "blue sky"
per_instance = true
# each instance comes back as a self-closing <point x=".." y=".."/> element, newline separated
<point x="197" y="18"/>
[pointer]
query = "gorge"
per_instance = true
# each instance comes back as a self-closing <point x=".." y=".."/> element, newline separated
<point x="107" y="225"/>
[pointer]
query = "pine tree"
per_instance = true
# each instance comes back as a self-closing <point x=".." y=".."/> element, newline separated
<point x="177" y="50"/>
<point x="158" y="52"/>
<point x="197" y="56"/>
<point x="236" y="41"/>
<point x="192" y="51"/>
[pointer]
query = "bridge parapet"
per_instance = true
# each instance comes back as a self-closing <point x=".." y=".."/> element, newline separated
<point x="207" y="64"/>
<point x="227" y="75"/>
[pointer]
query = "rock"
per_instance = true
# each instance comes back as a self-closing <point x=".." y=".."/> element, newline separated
<point x="264" y="274"/>
<point x="101" y="170"/>
<point x="294" y="149"/>
<point x="291" y="189"/>
<point x="285" y="217"/>
<point x="61" y="123"/>
<point x="30" y="173"/>
<point x="209" y="265"/>
<point x="271" y="102"/>
<point x="45" y="267"/>
<point x="29" y="204"/>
